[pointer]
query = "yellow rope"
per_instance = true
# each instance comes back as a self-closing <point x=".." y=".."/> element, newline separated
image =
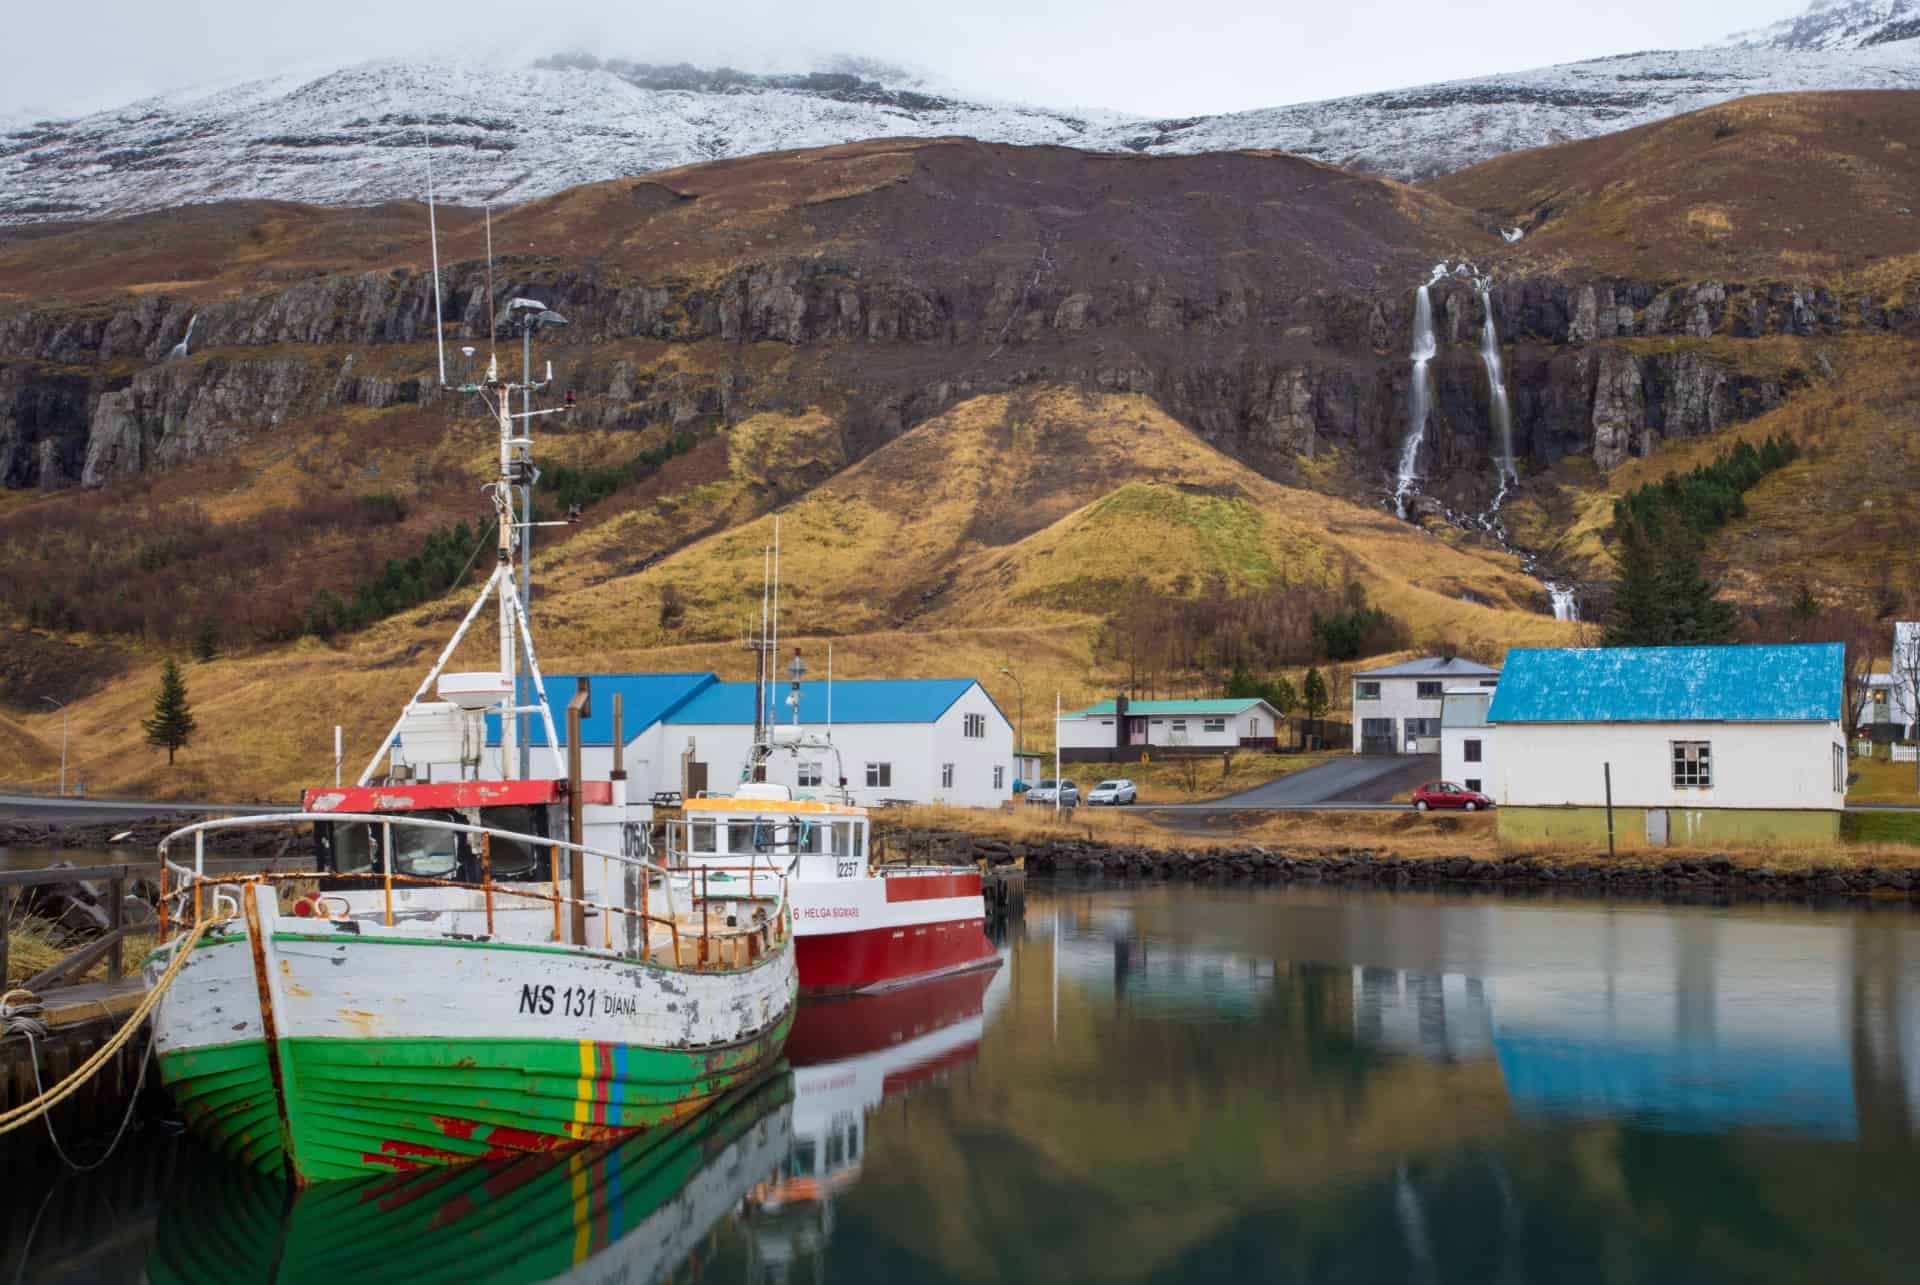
<point x="27" y="1111"/>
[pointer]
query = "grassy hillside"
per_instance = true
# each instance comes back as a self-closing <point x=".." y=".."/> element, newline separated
<point x="981" y="539"/>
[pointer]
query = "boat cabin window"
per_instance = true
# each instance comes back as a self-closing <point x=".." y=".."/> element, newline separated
<point x="427" y="854"/>
<point x="803" y="1159"/>
<point x="700" y="836"/>
<point x="744" y="838"/>
<point x="350" y="847"/>
<point x="510" y="858"/>
<point x="843" y="838"/>
<point x="805" y="836"/>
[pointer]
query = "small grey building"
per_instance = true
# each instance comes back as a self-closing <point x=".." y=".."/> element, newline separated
<point x="1396" y="709"/>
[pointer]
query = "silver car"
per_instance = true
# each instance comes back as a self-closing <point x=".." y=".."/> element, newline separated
<point x="1050" y="792"/>
<point x="1112" y="793"/>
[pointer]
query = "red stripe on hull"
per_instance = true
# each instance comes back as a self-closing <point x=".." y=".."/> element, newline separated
<point x="839" y="1029"/>
<point x="843" y="963"/>
<point x="931" y="887"/>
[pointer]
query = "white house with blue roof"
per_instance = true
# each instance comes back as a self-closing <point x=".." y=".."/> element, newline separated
<point x="918" y="739"/>
<point x="1705" y="744"/>
<point x="923" y="740"/>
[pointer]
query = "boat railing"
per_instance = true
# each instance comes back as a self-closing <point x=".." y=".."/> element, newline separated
<point x="192" y="882"/>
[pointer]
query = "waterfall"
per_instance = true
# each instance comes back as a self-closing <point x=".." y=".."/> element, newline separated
<point x="180" y="349"/>
<point x="1418" y="398"/>
<point x="1565" y="605"/>
<point x="1497" y="397"/>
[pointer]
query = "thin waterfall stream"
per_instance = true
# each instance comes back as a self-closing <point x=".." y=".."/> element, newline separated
<point x="1423" y="348"/>
<point x="1419" y="398"/>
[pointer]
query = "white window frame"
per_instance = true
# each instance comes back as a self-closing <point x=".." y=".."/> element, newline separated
<point x="1213" y="725"/>
<point x="1839" y="769"/>
<point x="974" y="727"/>
<point x="999" y="776"/>
<point x="809" y="775"/>
<point x="1366" y="689"/>
<point x="946" y="776"/>
<point x="1429" y="689"/>
<point x="1690" y="764"/>
<point x="880" y="776"/>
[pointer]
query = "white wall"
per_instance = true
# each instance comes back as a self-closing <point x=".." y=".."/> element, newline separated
<point x="1101" y="732"/>
<point x="1400" y="700"/>
<point x="1755" y="765"/>
<point x="1453" y="759"/>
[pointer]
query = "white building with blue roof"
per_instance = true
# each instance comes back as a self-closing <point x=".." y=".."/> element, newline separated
<point x="1704" y="744"/>
<point x="922" y="740"/>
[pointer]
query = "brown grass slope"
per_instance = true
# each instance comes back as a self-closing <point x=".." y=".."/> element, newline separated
<point x="927" y="203"/>
<point x="1777" y="186"/>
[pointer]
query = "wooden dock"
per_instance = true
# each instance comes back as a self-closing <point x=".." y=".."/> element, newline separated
<point x="79" y="1020"/>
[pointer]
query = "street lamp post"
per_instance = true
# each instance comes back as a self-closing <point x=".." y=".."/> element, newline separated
<point x="62" y="707"/>
<point x="1020" y="734"/>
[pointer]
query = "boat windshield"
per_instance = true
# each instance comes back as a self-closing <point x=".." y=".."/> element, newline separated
<point x="417" y="851"/>
<point x="510" y="858"/>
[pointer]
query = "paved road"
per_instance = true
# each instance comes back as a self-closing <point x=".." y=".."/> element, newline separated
<point x="1354" y="781"/>
<point x="71" y="811"/>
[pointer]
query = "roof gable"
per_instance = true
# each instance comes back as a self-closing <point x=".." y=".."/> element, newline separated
<point x="1432" y="667"/>
<point x="854" y="700"/>
<point x="1795" y="683"/>
<point x="645" y="700"/>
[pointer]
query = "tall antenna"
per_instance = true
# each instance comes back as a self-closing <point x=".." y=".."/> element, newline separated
<point x="773" y="642"/>
<point x="493" y="320"/>
<point x="433" y="233"/>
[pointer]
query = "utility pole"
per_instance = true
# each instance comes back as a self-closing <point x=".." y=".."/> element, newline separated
<point x="1020" y="732"/>
<point x="62" y="707"/>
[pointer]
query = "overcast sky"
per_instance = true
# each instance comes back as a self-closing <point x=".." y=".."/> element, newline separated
<point x="1154" y="57"/>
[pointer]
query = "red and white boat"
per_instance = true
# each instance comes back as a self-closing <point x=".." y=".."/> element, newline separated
<point x="859" y="925"/>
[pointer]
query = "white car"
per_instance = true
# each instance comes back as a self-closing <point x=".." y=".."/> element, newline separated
<point x="1112" y="793"/>
<point x="1050" y="792"/>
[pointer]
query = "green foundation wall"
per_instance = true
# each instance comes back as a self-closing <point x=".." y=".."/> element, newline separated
<point x="1686" y="827"/>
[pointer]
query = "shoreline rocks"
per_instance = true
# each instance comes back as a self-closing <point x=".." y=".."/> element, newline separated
<point x="1690" y="873"/>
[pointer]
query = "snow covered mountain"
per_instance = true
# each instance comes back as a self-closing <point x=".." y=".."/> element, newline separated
<point x="1839" y="24"/>
<point x="356" y="135"/>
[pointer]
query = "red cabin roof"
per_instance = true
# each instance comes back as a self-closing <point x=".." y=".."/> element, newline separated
<point x="441" y="795"/>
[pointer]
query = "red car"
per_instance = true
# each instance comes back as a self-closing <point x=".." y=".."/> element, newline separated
<point x="1445" y="794"/>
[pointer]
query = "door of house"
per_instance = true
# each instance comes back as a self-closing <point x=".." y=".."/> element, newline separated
<point x="1136" y="731"/>
<point x="1656" y="827"/>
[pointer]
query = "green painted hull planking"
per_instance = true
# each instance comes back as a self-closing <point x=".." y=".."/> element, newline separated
<point x="528" y="1219"/>
<point x="403" y="1104"/>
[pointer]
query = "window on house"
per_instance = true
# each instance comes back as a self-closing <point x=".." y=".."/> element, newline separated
<point x="810" y="774"/>
<point x="1376" y="728"/>
<point x="1367" y="691"/>
<point x="1692" y="765"/>
<point x="946" y="776"/>
<point x="879" y="776"/>
<point x="1427" y="691"/>
<point x="1253" y="727"/>
<point x="1179" y="725"/>
<point x="1473" y="783"/>
<point x="974" y="726"/>
<point x="1489" y="682"/>
<point x="1423" y="727"/>
<point x="999" y="778"/>
<point x="1839" y="769"/>
<point x="1473" y="754"/>
<point x="1106" y="722"/>
<point x="1214" y="725"/>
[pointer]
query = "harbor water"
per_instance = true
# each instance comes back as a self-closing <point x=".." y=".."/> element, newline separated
<point x="1184" y="1084"/>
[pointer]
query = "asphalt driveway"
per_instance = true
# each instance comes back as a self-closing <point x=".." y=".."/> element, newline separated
<point x="1356" y="779"/>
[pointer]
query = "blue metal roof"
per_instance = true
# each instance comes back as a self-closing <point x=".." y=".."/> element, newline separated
<point x="855" y="700"/>
<point x="645" y="700"/>
<point x="1796" y="683"/>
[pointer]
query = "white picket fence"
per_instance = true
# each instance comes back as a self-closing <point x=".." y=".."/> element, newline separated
<point x="1905" y="753"/>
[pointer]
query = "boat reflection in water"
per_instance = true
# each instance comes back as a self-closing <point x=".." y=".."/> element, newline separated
<point x="848" y="1057"/>
<point x="632" y="1211"/>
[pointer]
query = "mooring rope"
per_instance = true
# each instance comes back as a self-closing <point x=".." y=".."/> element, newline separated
<point x="20" y="1010"/>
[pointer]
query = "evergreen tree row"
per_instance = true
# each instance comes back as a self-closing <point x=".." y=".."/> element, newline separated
<point x="438" y="566"/>
<point x="1661" y="596"/>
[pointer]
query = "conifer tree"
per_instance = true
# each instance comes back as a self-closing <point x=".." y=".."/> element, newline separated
<point x="1315" y="699"/>
<point x="172" y="723"/>
<point x="206" y="643"/>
